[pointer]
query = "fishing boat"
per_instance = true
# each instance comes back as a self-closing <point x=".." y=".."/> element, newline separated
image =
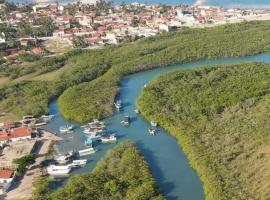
<point x="94" y="136"/>
<point x="126" y="120"/>
<point x="118" y="104"/>
<point x="88" y="142"/>
<point x="77" y="163"/>
<point x="63" y="159"/>
<point x="153" y="123"/>
<point x="152" y="131"/>
<point x="59" y="170"/>
<point x="91" y="131"/>
<point x="108" y="138"/>
<point x="87" y="151"/>
<point x="66" y="128"/>
<point x="46" y="118"/>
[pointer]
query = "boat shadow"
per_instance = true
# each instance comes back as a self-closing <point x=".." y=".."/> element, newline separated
<point x="164" y="185"/>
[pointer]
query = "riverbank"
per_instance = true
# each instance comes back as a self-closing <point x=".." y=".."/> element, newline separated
<point x="24" y="188"/>
<point x="214" y="131"/>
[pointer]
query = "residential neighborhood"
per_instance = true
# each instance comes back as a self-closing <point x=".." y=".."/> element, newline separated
<point x="41" y="29"/>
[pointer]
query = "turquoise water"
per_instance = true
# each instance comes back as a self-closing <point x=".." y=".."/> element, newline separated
<point x="167" y="161"/>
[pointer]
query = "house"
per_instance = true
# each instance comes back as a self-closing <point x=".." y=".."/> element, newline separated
<point x="15" y="134"/>
<point x="6" y="178"/>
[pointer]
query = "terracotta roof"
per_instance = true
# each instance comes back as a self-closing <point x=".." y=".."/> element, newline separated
<point x="15" y="133"/>
<point x="6" y="173"/>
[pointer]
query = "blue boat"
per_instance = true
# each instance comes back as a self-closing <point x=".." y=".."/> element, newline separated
<point x="88" y="142"/>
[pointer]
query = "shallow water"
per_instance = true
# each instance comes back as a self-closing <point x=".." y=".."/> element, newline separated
<point x="167" y="161"/>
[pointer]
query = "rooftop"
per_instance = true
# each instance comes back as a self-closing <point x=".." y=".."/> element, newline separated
<point x="6" y="173"/>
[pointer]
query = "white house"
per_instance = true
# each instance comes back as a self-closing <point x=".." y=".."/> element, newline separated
<point x="6" y="178"/>
<point x="15" y="134"/>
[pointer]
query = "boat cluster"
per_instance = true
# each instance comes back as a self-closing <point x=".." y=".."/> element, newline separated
<point x="65" y="163"/>
<point x="32" y="121"/>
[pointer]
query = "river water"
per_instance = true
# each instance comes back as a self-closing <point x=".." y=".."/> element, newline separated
<point x="167" y="161"/>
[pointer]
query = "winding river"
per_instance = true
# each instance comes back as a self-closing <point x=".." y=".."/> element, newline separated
<point x="166" y="159"/>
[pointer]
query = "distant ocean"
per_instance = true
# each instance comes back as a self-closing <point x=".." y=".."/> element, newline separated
<point x="261" y="4"/>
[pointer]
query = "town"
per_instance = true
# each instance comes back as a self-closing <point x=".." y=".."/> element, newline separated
<point x="29" y="32"/>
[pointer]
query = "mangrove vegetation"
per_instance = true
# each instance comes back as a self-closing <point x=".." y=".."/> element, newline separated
<point x="220" y="116"/>
<point x="89" y="81"/>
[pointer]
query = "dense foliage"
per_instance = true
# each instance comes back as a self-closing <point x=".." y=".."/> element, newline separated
<point x="94" y="75"/>
<point x="23" y="162"/>
<point x="121" y="174"/>
<point x="220" y="116"/>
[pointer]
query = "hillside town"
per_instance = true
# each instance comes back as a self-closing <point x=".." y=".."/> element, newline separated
<point x="39" y="29"/>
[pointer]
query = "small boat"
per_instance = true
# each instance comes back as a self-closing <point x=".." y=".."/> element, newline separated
<point x="108" y="138"/>
<point x="46" y="118"/>
<point x="77" y="163"/>
<point x="91" y="131"/>
<point x="153" y="123"/>
<point x="145" y="85"/>
<point x="87" y="151"/>
<point x="88" y="142"/>
<point x="40" y="124"/>
<point x="126" y="120"/>
<point x="94" y="137"/>
<point x="152" y="131"/>
<point x="59" y="170"/>
<point x="65" y="129"/>
<point x="136" y="111"/>
<point x="118" y="104"/>
<point x="63" y="159"/>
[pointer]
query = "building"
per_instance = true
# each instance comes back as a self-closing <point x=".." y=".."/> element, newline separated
<point x="6" y="178"/>
<point x="15" y="135"/>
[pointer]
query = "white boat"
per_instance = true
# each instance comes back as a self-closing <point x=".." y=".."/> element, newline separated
<point x="153" y="123"/>
<point x="59" y="170"/>
<point x="136" y="111"/>
<point x="47" y="118"/>
<point x="77" y="163"/>
<point x="94" y="137"/>
<point x="87" y="151"/>
<point x="65" y="129"/>
<point x="118" y="104"/>
<point x="152" y="131"/>
<point x="126" y="121"/>
<point x="63" y="159"/>
<point x="90" y="131"/>
<point x="108" y="139"/>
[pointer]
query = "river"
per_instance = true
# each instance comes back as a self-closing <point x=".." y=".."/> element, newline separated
<point x="167" y="161"/>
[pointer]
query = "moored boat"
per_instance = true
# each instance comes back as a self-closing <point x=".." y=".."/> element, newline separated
<point x="153" y="123"/>
<point x="77" y="163"/>
<point x="152" y="131"/>
<point x="111" y="138"/>
<point x="126" y="120"/>
<point x="87" y="151"/>
<point x="59" y="170"/>
<point x="63" y="159"/>
<point x="118" y="104"/>
<point x="66" y="128"/>
<point x="88" y="142"/>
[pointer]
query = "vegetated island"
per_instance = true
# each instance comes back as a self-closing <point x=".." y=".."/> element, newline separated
<point x="89" y="80"/>
<point x="220" y="116"/>
<point x="121" y="174"/>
